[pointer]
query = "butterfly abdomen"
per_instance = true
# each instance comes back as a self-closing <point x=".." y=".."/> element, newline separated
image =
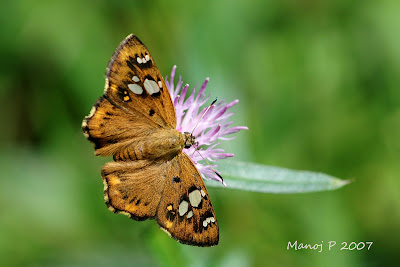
<point x="163" y="143"/>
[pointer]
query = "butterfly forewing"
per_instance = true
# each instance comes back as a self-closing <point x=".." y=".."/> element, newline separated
<point x="134" y="83"/>
<point x="136" y="103"/>
<point x="134" y="121"/>
<point x="110" y="128"/>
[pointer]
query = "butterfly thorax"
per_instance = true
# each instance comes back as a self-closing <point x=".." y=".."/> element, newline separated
<point x="161" y="144"/>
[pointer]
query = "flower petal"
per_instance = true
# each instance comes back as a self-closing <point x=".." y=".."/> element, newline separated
<point x="211" y="124"/>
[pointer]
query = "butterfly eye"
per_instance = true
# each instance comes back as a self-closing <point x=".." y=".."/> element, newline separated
<point x="189" y="139"/>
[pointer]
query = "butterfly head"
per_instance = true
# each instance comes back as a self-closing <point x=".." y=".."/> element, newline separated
<point x="189" y="139"/>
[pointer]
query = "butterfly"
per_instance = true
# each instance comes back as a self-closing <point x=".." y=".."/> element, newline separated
<point x="151" y="177"/>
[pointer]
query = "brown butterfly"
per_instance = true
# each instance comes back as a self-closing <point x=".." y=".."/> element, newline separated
<point x="150" y="177"/>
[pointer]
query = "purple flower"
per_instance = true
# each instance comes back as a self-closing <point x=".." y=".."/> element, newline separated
<point x="212" y="127"/>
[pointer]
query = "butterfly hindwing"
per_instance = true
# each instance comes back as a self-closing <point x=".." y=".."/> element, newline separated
<point x="185" y="210"/>
<point x="173" y="192"/>
<point x="134" y="187"/>
<point x="134" y="83"/>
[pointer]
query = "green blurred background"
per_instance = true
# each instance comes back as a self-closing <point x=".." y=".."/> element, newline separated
<point x="318" y="83"/>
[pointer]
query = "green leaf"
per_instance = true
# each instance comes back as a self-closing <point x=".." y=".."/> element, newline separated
<point x="268" y="179"/>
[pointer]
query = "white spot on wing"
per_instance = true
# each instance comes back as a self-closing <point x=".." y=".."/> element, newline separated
<point x="139" y="60"/>
<point x="165" y="230"/>
<point x="105" y="189"/>
<point x="147" y="57"/>
<point x="84" y="125"/>
<point x="92" y="111"/>
<point x="106" y="85"/>
<point x="135" y="79"/>
<point x="151" y="86"/>
<point x="137" y="89"/>
<point x="195" y="198"/>
<point x="160" y="84"/>
<point x="202" y="193"/>
<point x="190" y="214"/>
<point x="124" y="213"/>
<point x="111" y="208"/>
<point x="183" y="207"/>
<point x="208" y="221"/>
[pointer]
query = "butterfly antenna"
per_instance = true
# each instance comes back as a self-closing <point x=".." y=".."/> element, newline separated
<point x="211" y="166"/>
<point x="197" y="147"/>
<point x="215" y="100"/>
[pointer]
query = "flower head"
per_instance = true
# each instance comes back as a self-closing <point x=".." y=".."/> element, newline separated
<point x="213" y="126"/>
